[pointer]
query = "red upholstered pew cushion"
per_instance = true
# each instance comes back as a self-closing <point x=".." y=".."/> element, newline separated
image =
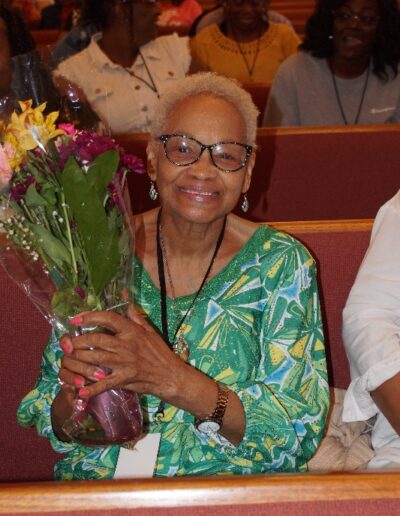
<point x="23" y="335"/>
<point x="338" y="255"/>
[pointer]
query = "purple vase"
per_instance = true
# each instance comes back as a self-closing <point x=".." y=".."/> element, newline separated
<point x="112" y="417"/>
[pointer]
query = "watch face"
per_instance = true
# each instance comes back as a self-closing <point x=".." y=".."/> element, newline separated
<point x="208" y="427"/>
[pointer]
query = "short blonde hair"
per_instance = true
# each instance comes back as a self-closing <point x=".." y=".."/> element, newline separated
<point x="207" y="83"/>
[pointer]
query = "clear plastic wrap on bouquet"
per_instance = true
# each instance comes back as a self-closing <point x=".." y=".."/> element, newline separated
<point x="65" y="230"/>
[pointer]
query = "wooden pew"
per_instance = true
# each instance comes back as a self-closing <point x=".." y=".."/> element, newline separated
<point x="308" y="173"/>
<point x="372" y="494"/>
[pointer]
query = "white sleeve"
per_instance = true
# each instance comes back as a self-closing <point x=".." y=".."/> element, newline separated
<point x="371" y="318"/>
<point x="178" y="50"/>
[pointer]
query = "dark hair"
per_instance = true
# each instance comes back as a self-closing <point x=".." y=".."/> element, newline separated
<point x="386" y="50"/>
<point x="19" y="37"/>
<point x="98" y="12"/>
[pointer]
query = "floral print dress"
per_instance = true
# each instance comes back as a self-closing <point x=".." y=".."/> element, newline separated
<point x="256" y="328"/>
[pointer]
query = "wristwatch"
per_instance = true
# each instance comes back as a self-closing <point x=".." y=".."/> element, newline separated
<point x="213" y="423"/>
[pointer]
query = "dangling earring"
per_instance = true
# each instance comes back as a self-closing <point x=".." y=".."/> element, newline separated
<point x="153" y="194"/>
<point x="245" y="204"/>
<point x="330" y="36"/>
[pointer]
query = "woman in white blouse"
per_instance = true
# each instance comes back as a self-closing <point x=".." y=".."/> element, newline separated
<point x="125" y="69"/>
<point x="371" y="334"/>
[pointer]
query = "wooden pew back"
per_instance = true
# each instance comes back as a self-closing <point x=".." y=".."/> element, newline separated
<point x="308" y="173"/>
<point x="324" y="173"/>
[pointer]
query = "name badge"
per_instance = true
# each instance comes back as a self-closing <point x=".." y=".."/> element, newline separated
<point x="141" y="460"/>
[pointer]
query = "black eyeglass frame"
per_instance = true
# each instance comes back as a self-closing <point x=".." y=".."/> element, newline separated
<point x="165" y="137"/>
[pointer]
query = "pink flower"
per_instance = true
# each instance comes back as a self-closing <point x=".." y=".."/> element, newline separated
<point x="5" y="169"/>
<point x="69" y="129"/>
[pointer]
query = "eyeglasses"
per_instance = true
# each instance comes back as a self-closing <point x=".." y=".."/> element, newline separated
<point x="182" y="150"/>
<point x="366" y="20"/>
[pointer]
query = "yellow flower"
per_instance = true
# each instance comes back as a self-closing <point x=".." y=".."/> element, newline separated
<point x="31" y="128"/>
<point x="17" y="158"/>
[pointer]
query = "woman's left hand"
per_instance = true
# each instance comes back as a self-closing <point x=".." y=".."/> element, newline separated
<point x="137" y="356"/>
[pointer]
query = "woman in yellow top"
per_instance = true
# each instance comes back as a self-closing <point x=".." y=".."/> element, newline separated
<point x="246" y="45"/>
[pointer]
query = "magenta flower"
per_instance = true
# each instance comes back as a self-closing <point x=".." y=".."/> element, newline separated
<point x="69" y="129"/>
<point x="18" y="190"/>
<point x="80" y="292"/>
<point x="132" y="162"/>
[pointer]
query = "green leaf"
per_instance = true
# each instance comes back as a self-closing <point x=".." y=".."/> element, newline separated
<point x="67" y="302"/>
<point x="33" y="198"/>
<point x="35" y="172"/>
<point x="51" y="246"/>
<point x="102" y="171"/>
<point x="48" y="192"/>
<point x="85" y="194"/>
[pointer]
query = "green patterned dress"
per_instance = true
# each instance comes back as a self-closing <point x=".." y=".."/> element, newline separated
<point x="257" y="328"/>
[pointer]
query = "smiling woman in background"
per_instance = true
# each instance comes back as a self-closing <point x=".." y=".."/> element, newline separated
<point x="346" y="71"/>
<point x="246" y="46"/>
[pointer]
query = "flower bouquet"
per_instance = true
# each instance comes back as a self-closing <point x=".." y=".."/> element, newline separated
<point x="66" y="239"/>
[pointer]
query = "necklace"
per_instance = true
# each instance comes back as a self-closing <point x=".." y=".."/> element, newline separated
<point x="340" y="102"/>
<point x="179" y="344"/>
<point x="151" y="84"/>
<point x="250" y="69"/>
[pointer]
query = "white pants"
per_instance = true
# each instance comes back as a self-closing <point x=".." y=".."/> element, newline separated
<point x="386" y="444"/>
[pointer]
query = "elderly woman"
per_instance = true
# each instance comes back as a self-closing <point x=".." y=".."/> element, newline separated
<point x="226" y="332"/>
<point x="346" y="71"/>
<point x="246" y="45"/>
<point x="125" y="69"/>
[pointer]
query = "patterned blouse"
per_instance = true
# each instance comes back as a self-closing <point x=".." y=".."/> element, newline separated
<point x="256" y="328"/>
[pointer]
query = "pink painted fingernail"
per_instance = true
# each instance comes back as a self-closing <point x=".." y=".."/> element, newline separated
<point x="78" y="382"/>
<point x="67" y="347"/>
<point x="83" y="393"/>
<point x="99" y="374"/>
<point x="77" y="320"/>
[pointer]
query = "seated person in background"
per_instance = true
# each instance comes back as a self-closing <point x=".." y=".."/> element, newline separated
<point x="178" y="12"/>
<point x="246" y="45"/>
<point x="217" y="15"/>
<point x="77" y="39"/>
<point x="371" y="333"/>
<point x="23" y="75"/>
<point x="346" y="71"/>
<point x="59" y="15"/>
<point x="251" y="330"/>
<point x="125" y="69"/>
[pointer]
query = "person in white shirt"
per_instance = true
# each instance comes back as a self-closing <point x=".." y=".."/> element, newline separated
<point x="371" y="334"/>
<point x="125" y="69"/>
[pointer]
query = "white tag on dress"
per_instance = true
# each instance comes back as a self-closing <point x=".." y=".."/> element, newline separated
<point x="139" y="462"/>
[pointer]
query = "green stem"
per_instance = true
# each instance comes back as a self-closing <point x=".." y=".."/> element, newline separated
<point x="71" y="245"/>
<point x="27" y="212"/>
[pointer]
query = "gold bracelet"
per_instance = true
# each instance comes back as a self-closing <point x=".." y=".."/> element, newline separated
<point x="213" y="423"/>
